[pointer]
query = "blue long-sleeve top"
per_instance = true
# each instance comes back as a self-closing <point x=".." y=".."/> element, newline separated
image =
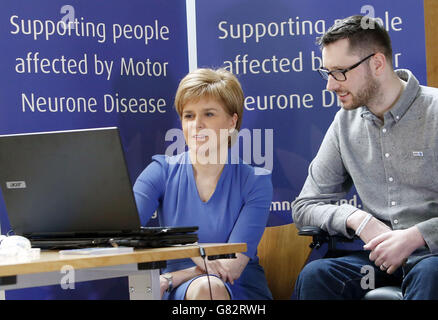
<point x="236" y="212"/>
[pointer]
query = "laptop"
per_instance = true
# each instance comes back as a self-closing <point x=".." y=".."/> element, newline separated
<point x="71" y="189"/>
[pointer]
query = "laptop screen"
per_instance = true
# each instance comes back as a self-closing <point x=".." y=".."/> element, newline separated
<point x="67" y="182"/>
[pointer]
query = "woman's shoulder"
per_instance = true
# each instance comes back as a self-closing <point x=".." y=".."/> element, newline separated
<point x="247" y="168"/>
<point x="250" y="174"/>
<point x="170" y="159"/>
<point x="256" y="172"/>
<point x="170" y="162"/>
<point x="163" y="165"/>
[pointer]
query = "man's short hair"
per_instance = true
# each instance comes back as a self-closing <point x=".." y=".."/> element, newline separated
<point x="366" y="35"/>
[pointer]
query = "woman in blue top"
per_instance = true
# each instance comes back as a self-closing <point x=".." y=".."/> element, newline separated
<point x="208" y="187"/>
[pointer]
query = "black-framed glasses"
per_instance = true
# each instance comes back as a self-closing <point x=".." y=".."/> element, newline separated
<point x="339" y="75"/>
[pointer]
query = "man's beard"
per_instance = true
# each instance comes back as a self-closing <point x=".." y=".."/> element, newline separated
<point x="366" y="96"/>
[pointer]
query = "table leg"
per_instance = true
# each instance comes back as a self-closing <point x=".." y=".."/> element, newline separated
<point x="145" y="285"/>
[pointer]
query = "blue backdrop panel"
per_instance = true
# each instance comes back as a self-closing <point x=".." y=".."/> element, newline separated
<point x="270" y="46"/>
<point x="53" y="78"/>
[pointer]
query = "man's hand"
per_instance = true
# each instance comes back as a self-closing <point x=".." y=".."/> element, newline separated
<point x="391" y="249"/>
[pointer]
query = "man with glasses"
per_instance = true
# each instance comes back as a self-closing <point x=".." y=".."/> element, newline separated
<point x="384" y="141"/>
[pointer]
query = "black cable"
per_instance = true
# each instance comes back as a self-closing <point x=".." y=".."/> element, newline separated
<point x="202" y="252"/>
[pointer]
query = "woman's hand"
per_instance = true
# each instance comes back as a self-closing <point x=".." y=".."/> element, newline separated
<point x="164" y="284"/>
<point x="212" y="266"/>
<point x="228" y="270"/>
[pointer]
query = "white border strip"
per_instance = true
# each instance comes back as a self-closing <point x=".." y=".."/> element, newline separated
<point x="58" y="131"/>
<point x="191" y="34"/>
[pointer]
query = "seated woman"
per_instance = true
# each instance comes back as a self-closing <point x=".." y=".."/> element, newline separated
<point x="207" y="187"/>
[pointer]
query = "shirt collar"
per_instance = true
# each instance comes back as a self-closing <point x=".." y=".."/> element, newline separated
<point x="408" y="95"/>
<point x="404" y="102"/>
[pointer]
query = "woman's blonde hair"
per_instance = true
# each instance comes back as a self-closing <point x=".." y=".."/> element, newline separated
<point x="218" y="84"/>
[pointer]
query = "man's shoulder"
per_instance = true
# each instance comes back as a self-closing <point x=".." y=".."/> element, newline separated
<point x="429" y="93"/>
<point x="426" y="103"/>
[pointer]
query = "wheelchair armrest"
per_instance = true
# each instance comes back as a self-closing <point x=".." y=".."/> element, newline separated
<point x="321" y="236"/>
<point x="311" y="231"/>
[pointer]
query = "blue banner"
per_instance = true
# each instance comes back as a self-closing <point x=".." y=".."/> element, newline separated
<point x="86" y="65"/>
<point x="270" y="46"/>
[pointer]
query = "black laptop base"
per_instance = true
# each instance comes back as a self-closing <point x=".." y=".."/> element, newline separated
<point x="135" y="242"/>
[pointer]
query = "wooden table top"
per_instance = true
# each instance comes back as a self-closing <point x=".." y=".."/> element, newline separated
<point x="50" y="261"/>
